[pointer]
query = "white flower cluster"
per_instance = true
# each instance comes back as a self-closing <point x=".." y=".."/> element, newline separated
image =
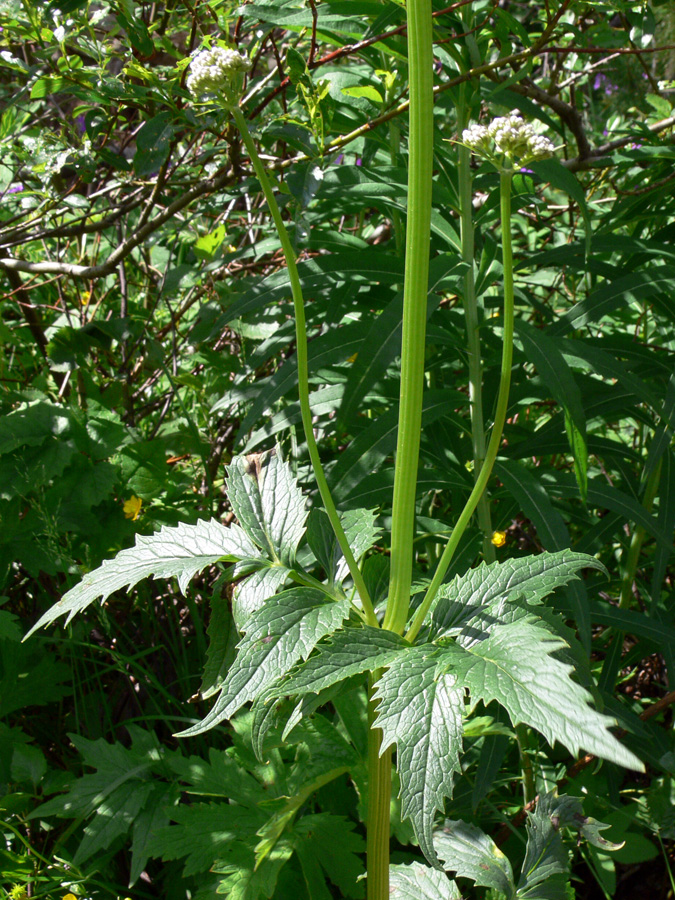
<point x="213" y="71"/>
<point x="509" y="139"/>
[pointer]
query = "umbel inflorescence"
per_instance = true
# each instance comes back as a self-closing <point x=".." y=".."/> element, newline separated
<point x="216" y="73"/>
<point x="508" y="142"/>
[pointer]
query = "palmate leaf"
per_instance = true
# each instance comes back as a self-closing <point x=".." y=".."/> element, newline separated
<point x="419" y="882"/>
<point x="277" y="637"/>
<point x="470" y="853"/>
<point x="203" y="833"/>
<point x="421" y="712"/>
<point x="181" y="551"/>
<point x="327" y="843"/>
<point x="268" y="504"/>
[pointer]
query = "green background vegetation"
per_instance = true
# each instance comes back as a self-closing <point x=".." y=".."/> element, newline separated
<point x="147" y="339"/>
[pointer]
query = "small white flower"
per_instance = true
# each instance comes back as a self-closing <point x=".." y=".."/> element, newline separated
<point x="508" y="142"/>
<point x="213" y="71"/>
<point x="475" y="137"/>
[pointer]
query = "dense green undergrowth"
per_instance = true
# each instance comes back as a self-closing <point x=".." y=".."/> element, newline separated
<point x="148" y="341"/>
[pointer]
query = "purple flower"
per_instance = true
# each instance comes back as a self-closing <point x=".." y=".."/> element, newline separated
<point x="15" y="188"/>
<point x="527" y="171"/>
<point x="81" y="124"/>
<point x="339" y="159"/>
<point x="359" y="161"/>
<point x="602" y="82"/>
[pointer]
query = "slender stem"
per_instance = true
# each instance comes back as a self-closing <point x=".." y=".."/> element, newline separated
<point x="500" y="413"/>
<point x="633" y="553"/>
<point x="527" y="769"/>
<point x="303" y="375"/>
<point x="420" y="170"/>
<point x="379" y="802"/>
<point x="472" y="328"/>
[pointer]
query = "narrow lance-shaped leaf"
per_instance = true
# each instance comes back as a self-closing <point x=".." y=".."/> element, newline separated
<point x="181" y="551"/>
<point x="277" y="636"/>
<point x="421" y="713"/>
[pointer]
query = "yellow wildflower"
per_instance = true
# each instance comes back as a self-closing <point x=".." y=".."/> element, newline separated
<point x="132" y="508"/>
<point x="499" y="538"/>
<point x="84" y="300"/>
<point x="69" y="897"/>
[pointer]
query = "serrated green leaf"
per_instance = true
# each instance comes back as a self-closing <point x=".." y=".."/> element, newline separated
<point x="545" y="871"/>
<point x="419" y="882"/>
<point x="268" y="504"/>
<point x="348" y="652"/>
<point x="243" y="880"/>
<point x="152" y="817"/>
<point x="115" y="766"/>
<point x="252" y="592"/>
<point x="505" y="654"/>
<point x="181" y="551"/>
<point x="277" y="636"/>
<point x="202" y="833"/>
<point x="114" y="817"/>
<point x="470" y="853"/>
<point x="331" y="842"/>
<point x="323" y="771"/>
<point x="422" y="714"/>
<point x="531" y="578"/>
<point x="220" y="776"/>
<point x="223" y="639"/>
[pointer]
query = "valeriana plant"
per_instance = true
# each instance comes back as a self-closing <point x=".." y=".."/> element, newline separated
<point x="483" y="637"/>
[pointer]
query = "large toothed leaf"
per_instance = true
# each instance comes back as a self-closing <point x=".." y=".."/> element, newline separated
<point x="531" y="578"/>
<point x="470" y="853"/>
<point x="277" y="636"/>
<point x="507" y="655"/>
<point x="421" y="712"/>
<point x="419" y="882"/>
<point x="268" y="504"/>
<point x="345" y="653"/>
<point x="181" y="551"/>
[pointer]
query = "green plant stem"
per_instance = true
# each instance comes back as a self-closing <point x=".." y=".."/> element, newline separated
<point x="303" y="373"/>
<point x="379" y="802"/>
<point x="527" y="769"/>
<point x="472" y="329"/>
<point x="415" y="289"/>
<point x="633" y="553"/>
<point x="500" y="413"/>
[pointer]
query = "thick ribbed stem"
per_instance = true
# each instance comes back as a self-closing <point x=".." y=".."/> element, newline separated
<point x="303" y="375"/>
<point x="379" y="801"/>
<point x="420" y="168"/>
<point x="500" y="413"/>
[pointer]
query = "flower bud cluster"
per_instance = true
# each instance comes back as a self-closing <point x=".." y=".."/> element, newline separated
<point x="508" y="142"/>
<point x="214" y="71"/>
